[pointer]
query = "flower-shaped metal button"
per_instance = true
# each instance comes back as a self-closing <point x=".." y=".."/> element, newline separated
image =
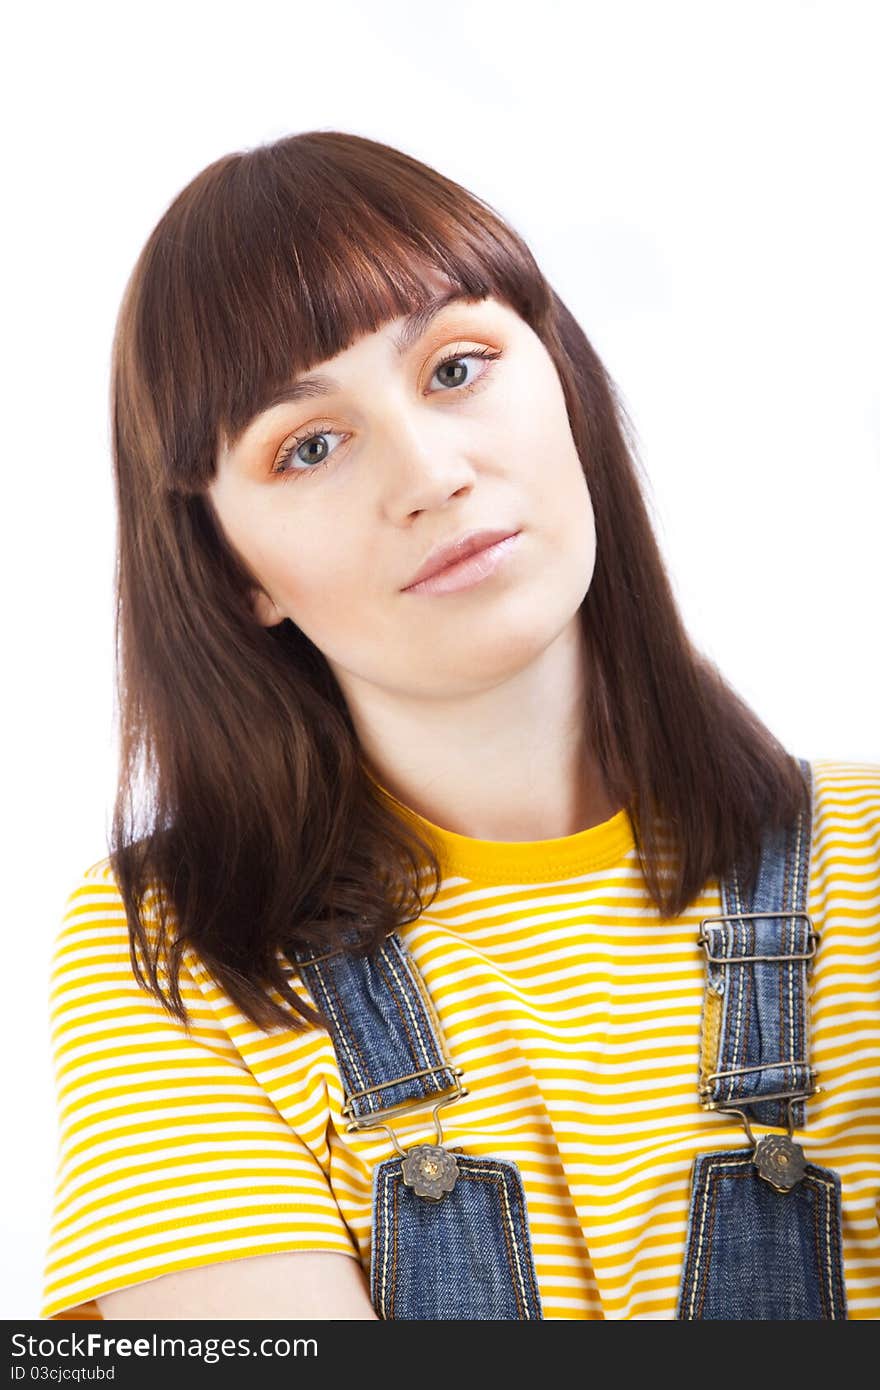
<point x="780" y="1161"/>
<point x="430" y="1170"/>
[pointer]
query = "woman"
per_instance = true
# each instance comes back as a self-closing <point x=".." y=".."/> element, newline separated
<point x="469" y="821"/>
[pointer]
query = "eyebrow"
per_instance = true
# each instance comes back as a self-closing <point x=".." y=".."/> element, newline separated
<point x="415" y="325"/>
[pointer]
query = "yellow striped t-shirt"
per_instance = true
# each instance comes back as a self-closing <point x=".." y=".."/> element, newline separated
<point x="574" y="1011"/>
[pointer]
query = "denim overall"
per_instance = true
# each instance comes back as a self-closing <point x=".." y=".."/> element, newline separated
<point x="450" y="1231"/>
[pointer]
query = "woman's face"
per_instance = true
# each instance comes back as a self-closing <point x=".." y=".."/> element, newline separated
<point x="335" y="499"/>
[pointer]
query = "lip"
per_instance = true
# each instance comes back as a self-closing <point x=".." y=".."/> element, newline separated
<point x="466" y="573"/>
<point x="470" y="543"/>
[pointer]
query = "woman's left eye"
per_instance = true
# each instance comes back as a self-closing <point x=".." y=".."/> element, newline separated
<point x="458" y="358"/>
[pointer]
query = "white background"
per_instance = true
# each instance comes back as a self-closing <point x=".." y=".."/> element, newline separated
<point x="698" y="181"/>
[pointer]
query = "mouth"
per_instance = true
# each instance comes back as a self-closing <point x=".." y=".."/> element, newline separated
<point x="469" y="571"/>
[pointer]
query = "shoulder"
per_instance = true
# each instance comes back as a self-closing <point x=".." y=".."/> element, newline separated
<point x="97" y="875"/>
<point x="845" y="878"/>
<point x="835" y="772"/>
<point x="93" y="907"/>
<point x="846" y="799"/>
<point x="95" y="894"/>
<point x="93" y="940"/>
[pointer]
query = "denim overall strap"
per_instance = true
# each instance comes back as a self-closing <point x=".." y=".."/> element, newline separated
<point x="450" y="1232"/>
<point x="385" y="1032"/>
<point x="764" y="1228"/>
<point x="755" y="1045"/>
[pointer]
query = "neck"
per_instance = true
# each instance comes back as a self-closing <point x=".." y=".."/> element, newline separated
<point x="507" y="763"/>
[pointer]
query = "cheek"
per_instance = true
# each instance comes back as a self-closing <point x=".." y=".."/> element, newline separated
<point x="537" y="428"/>
<point x="557" y="479"/>
<point x="581" y="522"/>
<point x="565" y="511"/>
<point x="316" y="563"/>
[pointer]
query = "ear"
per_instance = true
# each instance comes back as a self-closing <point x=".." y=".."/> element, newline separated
<point x="265" y="609"/>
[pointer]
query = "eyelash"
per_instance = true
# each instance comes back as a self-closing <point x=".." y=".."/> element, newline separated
<point x="286" y="474"/>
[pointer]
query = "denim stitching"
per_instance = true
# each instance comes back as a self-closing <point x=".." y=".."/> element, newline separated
<point x="380" y="1246"/>
<point x="835" y="1255"/>
<point x="505" y="1179"/>
<point x="791" y="850"/>
<point x="700" y="1209"/>
<point x="803" y="886"/>
<point x="817" y="1239"/>
<point x="515" y="1278"/>
<point x="713" y="1210"/>
<point x="700" y="1198"/>
<point x="408" y="1000"/>
<point x="750" y="983"/>
<point x="734" y="978"/>
<point x="831" y="1266"/>
<point x="499" y="1177"/>
<point x="828" y="1248"/>
<point x="393" y="993"/>
<point x="828" y="1251"/>
<point x="786" y="938"/>
<point x="345" y="1036"/>
<point x="431" y="1018"/>
<point x="382" y="1240"/>
<point x="404" y="991"/>
<point x="737" y="983"/>
<point x="801" y="890"/>
<point x="395" y="1223"/>
<point x="385" y="1235"/>
<point x="806" y="838"/>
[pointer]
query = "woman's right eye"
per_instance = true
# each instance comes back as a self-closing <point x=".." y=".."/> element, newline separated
<point x="312" y="462"/>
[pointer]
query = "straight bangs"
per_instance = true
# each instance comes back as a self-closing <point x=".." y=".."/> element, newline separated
<point x="280" y="258"/>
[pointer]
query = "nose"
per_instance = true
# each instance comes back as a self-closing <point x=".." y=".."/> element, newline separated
<point x="423" y="462"/>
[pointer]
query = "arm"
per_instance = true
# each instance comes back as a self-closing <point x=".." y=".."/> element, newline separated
<point x="299" y="1284"/>
<point x="172" y="1157"/>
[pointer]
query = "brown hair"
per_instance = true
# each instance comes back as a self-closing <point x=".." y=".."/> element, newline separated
<point x="263" y="829"/>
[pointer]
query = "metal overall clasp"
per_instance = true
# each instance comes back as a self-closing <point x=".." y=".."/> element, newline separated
<point x="779" y="1160"/>
<point x="430" y="1170"/>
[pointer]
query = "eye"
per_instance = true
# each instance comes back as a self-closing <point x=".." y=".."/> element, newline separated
<point x="457" y="358"/>
<point x="313" y="459"/>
